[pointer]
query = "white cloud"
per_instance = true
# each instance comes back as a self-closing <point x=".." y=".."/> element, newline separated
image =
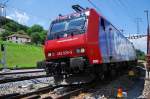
<point x="9" y="17"/>
<point x="20" y="17"/>
<point x="140" y="43"/>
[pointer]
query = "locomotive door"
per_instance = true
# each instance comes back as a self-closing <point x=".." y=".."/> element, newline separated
<point x="106" y="41"/>
<point x="103" y="41"/>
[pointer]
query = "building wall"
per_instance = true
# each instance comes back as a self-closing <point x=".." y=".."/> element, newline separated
<point x="19" y="40"/>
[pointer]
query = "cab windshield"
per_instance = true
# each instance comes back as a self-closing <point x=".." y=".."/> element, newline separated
<point x="66" y="28"/>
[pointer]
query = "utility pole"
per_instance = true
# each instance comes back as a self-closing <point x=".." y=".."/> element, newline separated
<point x="147" y="16"/>
<point x="3" y="61"/>
<point x="3" y="8"/>
<point x="3" y="46"/>
<point x="148" y="42"/>
<point x="2" y="13"/>
<point x="138" y="20"/>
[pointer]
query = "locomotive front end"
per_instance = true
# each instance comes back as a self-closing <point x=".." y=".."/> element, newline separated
<point x="65" y="48"/>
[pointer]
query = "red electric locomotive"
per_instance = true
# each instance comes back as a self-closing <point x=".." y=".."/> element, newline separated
<point x="85" y="41"/>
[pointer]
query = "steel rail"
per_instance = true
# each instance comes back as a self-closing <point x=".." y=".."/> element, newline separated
<point x="22" y="72"/>
<point x="50" y="88"/>
<point x="21" y="78"/>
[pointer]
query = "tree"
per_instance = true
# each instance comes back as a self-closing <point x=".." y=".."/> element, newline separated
<point x="37" y="33"/>
<point x="140" y="54"/>
<point x="43" y="36"/>
<point x="36" y="38"/>
<point x="5" y="34"/>
<point x="35" y="28"/>
<point x="13" y="26"/>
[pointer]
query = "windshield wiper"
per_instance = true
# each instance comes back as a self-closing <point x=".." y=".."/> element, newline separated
<point x="72" y="34"/>
<point x="72" y="31"/>
<point x="75" y="31"/>
<point x="57" y="34"/>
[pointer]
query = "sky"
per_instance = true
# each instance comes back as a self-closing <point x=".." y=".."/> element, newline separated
<point x="121" y="13"/>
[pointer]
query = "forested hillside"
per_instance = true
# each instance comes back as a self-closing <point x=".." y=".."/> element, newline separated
<point x="36" y="32"/>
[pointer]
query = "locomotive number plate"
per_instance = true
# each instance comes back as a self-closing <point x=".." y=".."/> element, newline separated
<point x="64" y="53"/>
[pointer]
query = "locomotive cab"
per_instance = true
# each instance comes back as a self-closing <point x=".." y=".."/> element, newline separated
<point x="66" y="45"/>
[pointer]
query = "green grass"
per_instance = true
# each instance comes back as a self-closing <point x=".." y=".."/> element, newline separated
<point x="24" y="56"/>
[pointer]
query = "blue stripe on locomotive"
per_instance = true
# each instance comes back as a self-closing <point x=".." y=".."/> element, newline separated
<point x="114" y="46"/>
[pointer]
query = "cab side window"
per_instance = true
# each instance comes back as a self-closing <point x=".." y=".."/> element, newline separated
<point x="103" y="24"/>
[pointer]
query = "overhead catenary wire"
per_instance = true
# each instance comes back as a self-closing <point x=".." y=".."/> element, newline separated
<point x="138" y="20"/>
<point x="125" y="8"/>
<point x="124" y="5"/>
<point x="6" y="2"/>
<point x="95" y="6"/>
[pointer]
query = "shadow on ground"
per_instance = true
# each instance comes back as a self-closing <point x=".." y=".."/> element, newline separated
<point x="138" y="85"/>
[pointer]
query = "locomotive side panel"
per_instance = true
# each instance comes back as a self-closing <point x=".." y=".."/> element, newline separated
<point x="92" y="43"/>
<point x="123" y="48"/>
<point x="113" y="45"/>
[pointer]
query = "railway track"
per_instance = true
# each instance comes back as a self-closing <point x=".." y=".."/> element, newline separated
<point x="75" y="89"/>
<point x="21" y="72"/>
<point x="45" y="92"/>
<point x="21" y="78"/>
<point x="48" y="92"/>
<point x="71" y="93"/>
<point x="19" y="75"/>
<point x="40" y="92"/>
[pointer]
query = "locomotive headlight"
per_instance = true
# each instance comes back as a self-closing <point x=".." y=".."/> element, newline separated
<point x="49" y="54"/>
<point x="80" y="50"/>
